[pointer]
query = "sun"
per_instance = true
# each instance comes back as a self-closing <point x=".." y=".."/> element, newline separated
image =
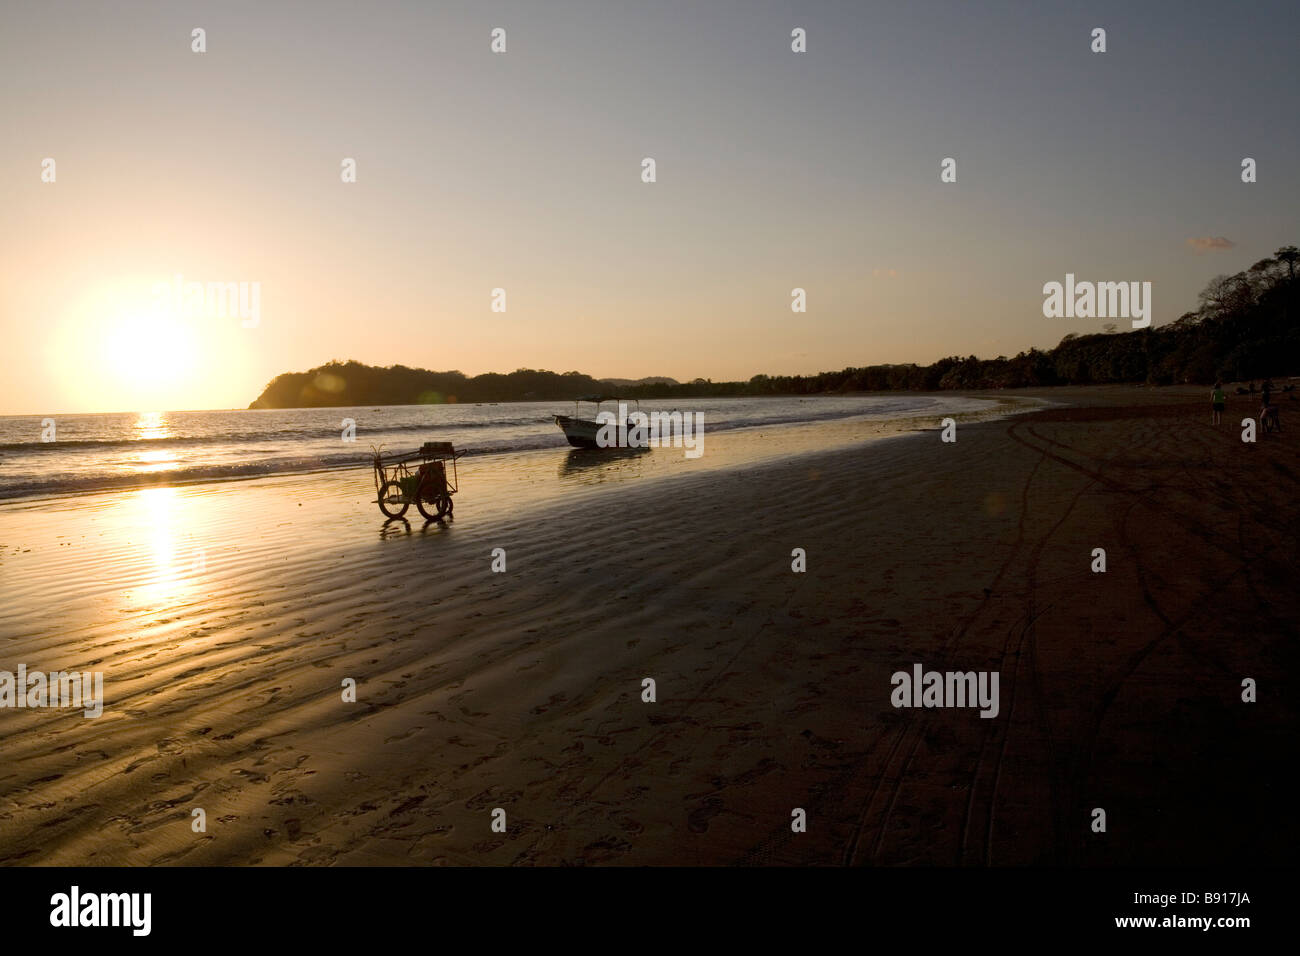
<point x="148" y="350"/>
<point x="127" y="350"/>
<point x="123" y="346"/>
<point x="128" y="345"/>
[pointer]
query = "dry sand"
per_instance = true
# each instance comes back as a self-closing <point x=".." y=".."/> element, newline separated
<point x="522" y="690"/>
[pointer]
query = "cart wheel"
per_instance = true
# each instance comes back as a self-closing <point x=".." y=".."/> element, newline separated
<point x="435" y="509"/>
<point x="391" y="500"/>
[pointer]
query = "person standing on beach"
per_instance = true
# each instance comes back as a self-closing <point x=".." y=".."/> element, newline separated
<point x="1218" y="400"/>
<point x="1267" y="391"/>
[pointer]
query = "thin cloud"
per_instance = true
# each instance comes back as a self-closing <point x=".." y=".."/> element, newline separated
<point x="1209" y="243"/>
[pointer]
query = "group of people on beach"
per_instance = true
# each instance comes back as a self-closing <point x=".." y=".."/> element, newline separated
<point x="1268" y="412"/>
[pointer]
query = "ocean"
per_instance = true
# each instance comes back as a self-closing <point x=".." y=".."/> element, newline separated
<point x="116" y="451"/>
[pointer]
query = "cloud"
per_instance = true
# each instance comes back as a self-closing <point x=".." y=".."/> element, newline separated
<point x="885" y="273"/>
<point x="1209" y="244"/>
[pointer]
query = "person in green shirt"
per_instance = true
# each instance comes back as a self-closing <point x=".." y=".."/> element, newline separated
<point x="1218" y="399"/>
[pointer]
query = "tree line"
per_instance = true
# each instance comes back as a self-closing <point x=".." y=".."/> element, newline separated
<point x="1244" y="327"/>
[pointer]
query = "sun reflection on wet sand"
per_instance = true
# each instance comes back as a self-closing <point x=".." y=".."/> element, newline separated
<point x="169" y="566"/>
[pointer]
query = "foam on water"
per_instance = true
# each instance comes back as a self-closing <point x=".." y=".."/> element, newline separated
<point x="116" y="451"/>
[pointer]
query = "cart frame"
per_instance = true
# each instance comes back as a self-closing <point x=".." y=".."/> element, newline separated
<point x="429" y="486"/>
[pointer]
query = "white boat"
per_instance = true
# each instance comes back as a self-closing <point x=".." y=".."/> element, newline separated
<point x="586" y="432"/>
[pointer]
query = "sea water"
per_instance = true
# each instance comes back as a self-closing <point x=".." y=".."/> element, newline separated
<point x="99" y="452"/>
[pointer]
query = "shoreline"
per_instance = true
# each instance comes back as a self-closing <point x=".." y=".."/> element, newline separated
<point x="840" y="429"/>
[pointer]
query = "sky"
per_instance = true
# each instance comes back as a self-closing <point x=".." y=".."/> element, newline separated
<point x="522" y="171"/>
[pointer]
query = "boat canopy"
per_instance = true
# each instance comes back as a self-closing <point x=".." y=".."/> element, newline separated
<point x="599" y="400"/>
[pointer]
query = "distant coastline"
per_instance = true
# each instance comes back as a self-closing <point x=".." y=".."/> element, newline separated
<point x="1242" y="330"/>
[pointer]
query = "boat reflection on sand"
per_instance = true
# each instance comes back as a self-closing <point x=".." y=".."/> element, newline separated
<point x="596" y="465"/>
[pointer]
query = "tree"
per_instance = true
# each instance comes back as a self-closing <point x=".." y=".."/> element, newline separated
<point x="1288" y="254"/>
<point x="1226" y="295"/>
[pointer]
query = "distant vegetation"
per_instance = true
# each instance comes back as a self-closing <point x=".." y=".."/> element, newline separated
<point x="351" y="383"/>
<point x="1247" y="326"/>
<point x="648" y="380"/>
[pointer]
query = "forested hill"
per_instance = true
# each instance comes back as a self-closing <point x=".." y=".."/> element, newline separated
<point x="351" y="383"/>
<point x="1246" y="326"/>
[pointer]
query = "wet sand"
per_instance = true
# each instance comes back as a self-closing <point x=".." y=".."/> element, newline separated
<point x="225" y="619"/>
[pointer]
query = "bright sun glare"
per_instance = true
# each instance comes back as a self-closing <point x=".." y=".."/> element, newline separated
<point x="146" y="350"/>
<point x="124" y="348"/>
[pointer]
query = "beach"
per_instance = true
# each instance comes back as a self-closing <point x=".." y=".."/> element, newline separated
<point x="227" y="617"/>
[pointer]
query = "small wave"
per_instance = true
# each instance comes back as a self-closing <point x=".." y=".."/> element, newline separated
<point x="268" y="449"/>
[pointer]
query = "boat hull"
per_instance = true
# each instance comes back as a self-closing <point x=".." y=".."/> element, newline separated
<point x="582" y="432"/>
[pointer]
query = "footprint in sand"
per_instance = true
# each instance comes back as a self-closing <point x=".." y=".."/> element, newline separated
<point x="318" y="854"/>
<point x="555" y="699"/>
<point x="699" y="818"/>
<point x="604" y="850"/>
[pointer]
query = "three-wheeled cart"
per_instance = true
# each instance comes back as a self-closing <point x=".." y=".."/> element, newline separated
<point x="421" y="477"/>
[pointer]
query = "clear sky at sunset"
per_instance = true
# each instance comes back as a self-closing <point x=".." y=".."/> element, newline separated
<point x="522" y="171"/>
